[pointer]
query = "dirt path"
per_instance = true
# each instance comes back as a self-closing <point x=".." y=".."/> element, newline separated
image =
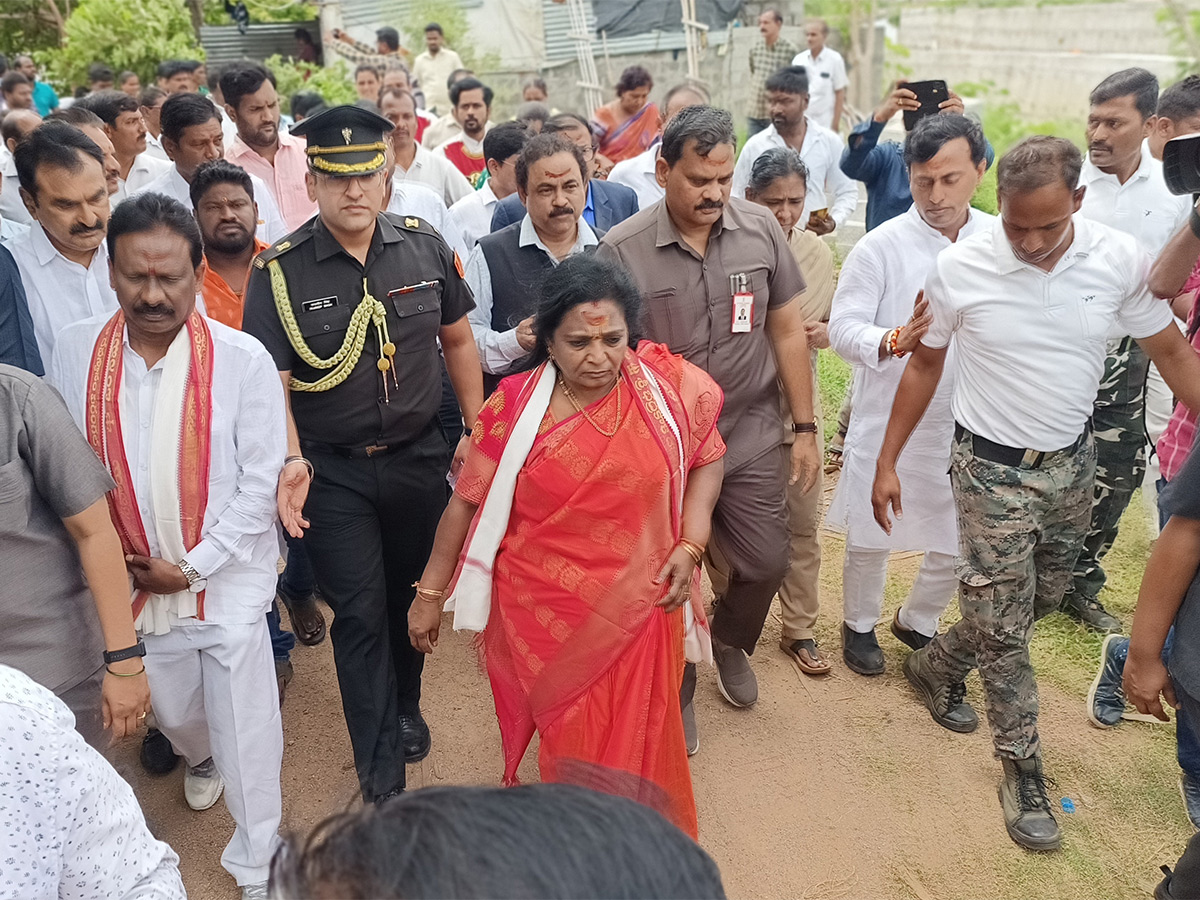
<point x="827" y="789"/>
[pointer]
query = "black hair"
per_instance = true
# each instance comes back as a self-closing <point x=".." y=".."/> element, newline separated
<point x="632" y="78"/>
<point x="707" y="126"/>
<point x="583" y="278"/>
<point x="213" y="77"/>
<point x="10" y="130"/>
<point x="457" y="75"/>
<point x="13" y="80"/>
<point x="304" y="103"/>
<point x="184" y="110"/>
<point x="776" y="163"/>
<point x="1181" y="100"/>
<point x="788" y="80"/>
<point x="56" y="144"/>
<point x="1036" y="162"/>
<point x="149" y="211"/>
<point x="169" y="68"/>
<point x="150" y="95"/>
<point x="77" y="115"/>
<point x="434" y="26"/>
<point x="126" y="75"/>
<point x="366" y="67"/>
<point x="505" y="140"/>
<point x="932" y="133"/>
<point x="563" y="121"/>
<point x="303" y="34"/>
<point x="774" y="13"/>
<point x="1142" y="84"/>
<point x="533" y="111"/>
<point x="389" y="36"/>
<point x="470" y="84"/>
<point x="108" y="105"/>
<point x="541" y="146"/>
<point x="240" y="79"/>
<point x="218" y="171"/>
<point x="99" y="72"/>
<point x="535" y="81"/>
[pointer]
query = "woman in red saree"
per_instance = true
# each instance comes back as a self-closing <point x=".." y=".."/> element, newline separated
<point x="584" y="506"/>
<point x="628" y="125"/>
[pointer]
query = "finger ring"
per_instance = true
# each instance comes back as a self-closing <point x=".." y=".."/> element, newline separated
<point x="141" y="715"/>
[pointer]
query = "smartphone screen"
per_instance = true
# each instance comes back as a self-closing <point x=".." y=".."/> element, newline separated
<point x="930" y="94"/>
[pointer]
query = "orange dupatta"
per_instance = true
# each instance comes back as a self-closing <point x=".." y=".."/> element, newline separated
<point x="575" y="646"/>
<point x="631" y="137"/>
<point x="195" y="439"/>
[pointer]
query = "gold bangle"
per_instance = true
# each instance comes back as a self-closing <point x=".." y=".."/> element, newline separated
<point x="694" y="550"/>
<point x="429" y="595"/>
<point x="141" y="671"/>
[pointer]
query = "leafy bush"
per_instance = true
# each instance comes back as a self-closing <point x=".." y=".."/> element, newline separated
<point x="331" y="82"/>
<point x="262" y="11"/>
<point x="125" y="34"/>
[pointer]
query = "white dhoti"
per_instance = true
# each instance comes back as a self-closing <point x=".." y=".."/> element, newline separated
<point x="215" y="694"/>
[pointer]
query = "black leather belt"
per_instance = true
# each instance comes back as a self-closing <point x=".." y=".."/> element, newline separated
<point x="1015" y="456"/>
<point x="354" y="452"/>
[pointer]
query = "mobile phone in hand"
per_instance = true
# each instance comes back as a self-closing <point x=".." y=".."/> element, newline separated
<point x="930" y="94"/>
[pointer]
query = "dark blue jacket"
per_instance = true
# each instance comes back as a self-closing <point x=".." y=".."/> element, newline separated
<point x="881" y="168"/>
<point x="614" y="204"/>
<point x="18" y="346"/>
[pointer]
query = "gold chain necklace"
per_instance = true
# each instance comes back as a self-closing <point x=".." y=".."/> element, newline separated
<point x="583" y="412"/>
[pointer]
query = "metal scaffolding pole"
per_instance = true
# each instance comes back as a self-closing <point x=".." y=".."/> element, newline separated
<point x="589" y="79"/>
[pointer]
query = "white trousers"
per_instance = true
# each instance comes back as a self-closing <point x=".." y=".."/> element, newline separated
<point x="864" y="573"/>
<point x="215" y="694"/>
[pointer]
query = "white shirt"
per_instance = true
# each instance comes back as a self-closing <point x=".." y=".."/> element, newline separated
<point x="1142" y="206"/>
<point x="438" y="173"/>
<point x="474" y="213"/>
<point x="499" y="349"/>
<point x="637" y="173"/>
<point x="10" y="231"/>
<point x="1031" y="344"/>
<point x="828" y="186"/>
<point x="826" y="76"/>
<point x="72" y="828"/>
<point x="876" y="290"/>
<point x="12" y="207"/>
<point x="60" y="292"/>
<point x="144" y="170"/>
<point x="420" y="200"/>
<point x="271" y="226"/>
<point x="155" y="148"/>
<point x="239" y="543"/>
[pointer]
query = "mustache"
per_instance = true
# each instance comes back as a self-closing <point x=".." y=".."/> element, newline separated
<point x="1099" y="145"/>
<point x="710" y="204"/>
<point x="87" y="229"/>
<point x="562" y="211"/>
<point x="143" y="309"/>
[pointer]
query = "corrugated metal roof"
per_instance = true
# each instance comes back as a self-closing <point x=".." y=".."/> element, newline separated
<point x="223" y="43"/>
<point x="560" y="47"/>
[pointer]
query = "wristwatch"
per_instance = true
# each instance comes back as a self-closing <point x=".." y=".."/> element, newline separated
<point x="804" y="427"/>
<point x="196" y="581"/>
<point x="138" y="649"/>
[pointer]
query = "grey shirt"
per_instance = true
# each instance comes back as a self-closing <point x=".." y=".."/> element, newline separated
<point x="48" y="623"/>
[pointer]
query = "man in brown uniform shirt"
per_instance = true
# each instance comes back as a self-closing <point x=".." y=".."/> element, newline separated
<point x="720" y="286"/>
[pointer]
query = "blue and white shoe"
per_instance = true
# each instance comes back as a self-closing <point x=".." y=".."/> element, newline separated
<point x="1106" y="699"/>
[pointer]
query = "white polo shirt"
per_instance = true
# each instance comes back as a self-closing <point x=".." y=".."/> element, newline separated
<point x="826" y="76"/>
<point x="1029" y="344"/>
<point x="637" y="173"/>
<point x="1142" y="206"/>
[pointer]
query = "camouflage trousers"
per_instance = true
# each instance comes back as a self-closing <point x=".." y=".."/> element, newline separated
<point x="1119" y="426"/>
<point x="1019" y="531"/>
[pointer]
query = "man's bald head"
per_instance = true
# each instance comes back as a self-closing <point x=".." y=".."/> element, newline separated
<point x="18" y="125"/>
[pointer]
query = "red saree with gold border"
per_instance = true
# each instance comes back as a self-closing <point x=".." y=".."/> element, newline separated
<point x="575" y="646"/>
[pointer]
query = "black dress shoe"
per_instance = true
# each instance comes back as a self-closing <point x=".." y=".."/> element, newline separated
<point x="861" y="651"/>
<point x="414" y="738"/>
<point x="384" y="798"/>
<point x="307" y="620"/>
<point x="157" y="755"/>
<point x="909" y="636"/>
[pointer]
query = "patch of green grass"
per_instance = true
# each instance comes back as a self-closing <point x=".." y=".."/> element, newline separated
<point x="833" y="380"/>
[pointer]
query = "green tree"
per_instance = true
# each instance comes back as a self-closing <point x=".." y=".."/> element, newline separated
<point x="125" y="34"/>
<point x="28" y="26"/>
<point x="331" y="82"/>
<point x="262" y="11"/>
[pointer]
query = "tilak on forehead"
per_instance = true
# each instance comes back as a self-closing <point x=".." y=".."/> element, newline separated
<point x="593" y="314"/>
<point x="558" y="174"/>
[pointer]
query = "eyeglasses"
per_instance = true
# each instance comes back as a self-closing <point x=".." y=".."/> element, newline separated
<point x="589" y="153"/>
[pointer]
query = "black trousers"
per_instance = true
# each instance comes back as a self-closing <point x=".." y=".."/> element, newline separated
<point x="1184" y="882"/>
<point x="372" y="527"/>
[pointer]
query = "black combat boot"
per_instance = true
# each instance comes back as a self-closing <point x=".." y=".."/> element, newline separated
<point x="1026" y="805"/>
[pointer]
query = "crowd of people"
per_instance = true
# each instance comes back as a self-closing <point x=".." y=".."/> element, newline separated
<point x="540" y="374"/>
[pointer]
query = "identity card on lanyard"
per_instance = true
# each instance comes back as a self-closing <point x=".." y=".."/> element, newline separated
<point x="743" y="303"/>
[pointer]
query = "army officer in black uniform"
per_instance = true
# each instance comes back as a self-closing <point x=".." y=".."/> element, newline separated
<point x="352" y="306"/>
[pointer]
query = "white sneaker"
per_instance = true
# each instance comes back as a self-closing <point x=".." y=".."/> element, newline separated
<point x="202" y="785"/>
<point x="255" y="891"/>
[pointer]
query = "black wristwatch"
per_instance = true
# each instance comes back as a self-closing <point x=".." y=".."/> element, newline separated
<point x="467" y="432"/>
<point x="804" y="427"/>
<point x="138" y="649"/>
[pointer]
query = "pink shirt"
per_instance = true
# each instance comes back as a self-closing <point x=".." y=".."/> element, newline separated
<point x="285" y="179"/>
<point x="1176" y="441"/>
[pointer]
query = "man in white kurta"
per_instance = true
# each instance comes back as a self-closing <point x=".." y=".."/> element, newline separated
<point x="136" y="384"/>
<point x="876" y="293"/>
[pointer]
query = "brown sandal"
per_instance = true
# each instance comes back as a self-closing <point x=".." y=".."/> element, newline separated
<point x="807" y="656"/>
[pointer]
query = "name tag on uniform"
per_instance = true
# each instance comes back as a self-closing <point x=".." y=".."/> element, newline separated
<point x="322" y="303"/>
<point x="743" y="304"/>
